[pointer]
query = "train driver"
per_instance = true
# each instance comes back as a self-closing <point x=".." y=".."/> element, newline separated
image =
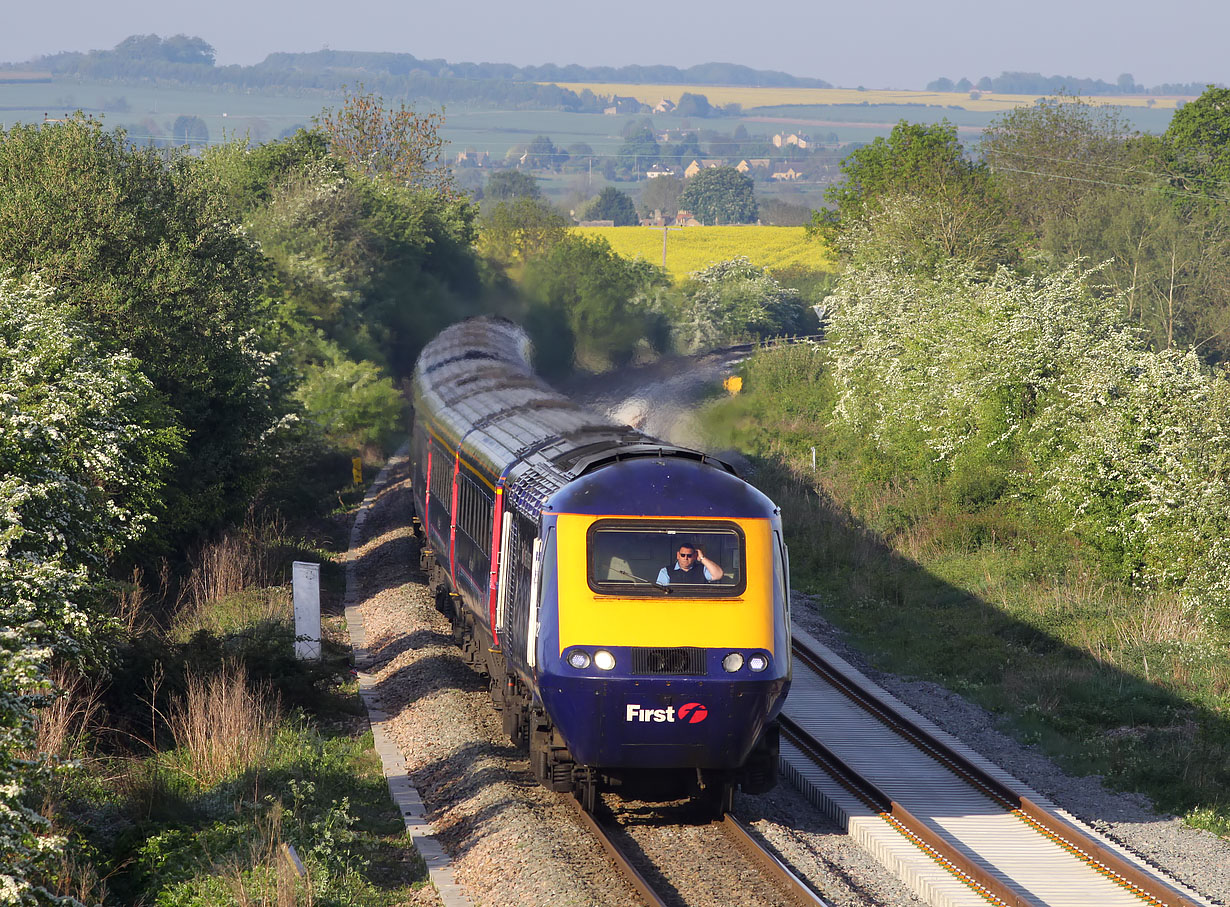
<point x="691" y="566"/>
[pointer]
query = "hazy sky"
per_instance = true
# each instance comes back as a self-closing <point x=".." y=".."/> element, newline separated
<point x="874" y="43"/>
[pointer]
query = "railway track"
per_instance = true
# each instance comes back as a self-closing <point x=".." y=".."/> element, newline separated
<point x="654" y="886"/>
<point x="955" y="828"/>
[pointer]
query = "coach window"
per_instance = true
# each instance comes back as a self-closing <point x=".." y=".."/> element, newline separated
<point x="630" y="558"/>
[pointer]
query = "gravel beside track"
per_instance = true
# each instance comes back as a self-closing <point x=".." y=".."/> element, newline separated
<point x="513" y="843"/>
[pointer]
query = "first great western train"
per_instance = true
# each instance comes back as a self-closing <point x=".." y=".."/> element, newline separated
<point x="554" y="539"/>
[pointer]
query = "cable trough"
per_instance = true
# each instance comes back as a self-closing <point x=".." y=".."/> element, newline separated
<point x="953" y="826"/>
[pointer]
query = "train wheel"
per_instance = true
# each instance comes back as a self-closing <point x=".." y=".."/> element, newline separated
<point x="586" y="789"/>
<point x="716" y="795"/>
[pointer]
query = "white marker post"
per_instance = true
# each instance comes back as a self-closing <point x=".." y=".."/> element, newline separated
<point x="306" y="581"/>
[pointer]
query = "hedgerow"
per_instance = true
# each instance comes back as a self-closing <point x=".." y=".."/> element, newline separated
<point x="1040" y="385"/>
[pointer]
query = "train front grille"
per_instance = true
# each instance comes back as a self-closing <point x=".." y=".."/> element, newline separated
<point x="685" y="660"/>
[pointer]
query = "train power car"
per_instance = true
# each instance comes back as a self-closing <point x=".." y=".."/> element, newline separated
<point x="552" y="536"/>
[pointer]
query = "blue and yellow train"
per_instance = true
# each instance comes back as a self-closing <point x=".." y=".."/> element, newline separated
<point x="558" y="541"/>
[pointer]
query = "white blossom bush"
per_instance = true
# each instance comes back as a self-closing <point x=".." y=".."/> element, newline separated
<point x="24" y="839"/>
<point x="1040" y="375"/>
<point x="731" y="301"/>
<point x="79" y="469"/>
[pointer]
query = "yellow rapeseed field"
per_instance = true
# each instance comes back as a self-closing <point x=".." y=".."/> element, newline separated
<point x="689" y="249"/>
<point x="750" y="96"/>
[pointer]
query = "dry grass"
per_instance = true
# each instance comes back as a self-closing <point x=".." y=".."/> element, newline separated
<point x="222" y="725"/>
<point x="77" y="878"/>
<point x="242" y="566"/>
<point x="1157" y="618"/>
<point x="234" y="563"/>
<point x="131" y="600"/>
<point x="65" y="726"/>
<point x="749" y="96"/>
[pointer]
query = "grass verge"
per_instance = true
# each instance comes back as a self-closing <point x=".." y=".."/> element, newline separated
<point x="212" y="767"/>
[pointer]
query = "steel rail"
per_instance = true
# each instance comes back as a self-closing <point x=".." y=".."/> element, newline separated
<point x="1103" y="859"/>
<point x="796" y="889"/>
<point x="618" y="856"/>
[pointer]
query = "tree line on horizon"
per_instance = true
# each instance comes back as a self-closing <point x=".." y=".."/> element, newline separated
<point x="1037" y="84"/>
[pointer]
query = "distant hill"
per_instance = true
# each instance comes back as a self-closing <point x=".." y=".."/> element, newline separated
<point x="190" y="61"/>
<point x="323" y="62"/>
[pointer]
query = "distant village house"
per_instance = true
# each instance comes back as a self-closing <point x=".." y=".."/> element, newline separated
<point x="470" y="158"/>
<point x="781" y="140"/>
<point x="754" y="163"/>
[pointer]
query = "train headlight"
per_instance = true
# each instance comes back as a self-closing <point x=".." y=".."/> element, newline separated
<point x="579" y="659"/>
<point x="758" y="662"/>
<point x="732" y="662"/>
<point x="604" y="659"/>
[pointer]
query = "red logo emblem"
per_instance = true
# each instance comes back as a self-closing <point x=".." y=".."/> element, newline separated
<point x="693" y="712"/>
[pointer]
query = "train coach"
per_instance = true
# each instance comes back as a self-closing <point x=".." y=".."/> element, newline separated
<point x="627" y="598"/>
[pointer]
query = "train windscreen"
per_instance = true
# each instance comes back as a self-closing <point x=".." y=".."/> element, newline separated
<point x="636" y="558"/>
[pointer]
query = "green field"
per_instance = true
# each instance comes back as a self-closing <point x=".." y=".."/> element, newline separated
<point x="149" y="112"/>
<point x="689" y="249"/>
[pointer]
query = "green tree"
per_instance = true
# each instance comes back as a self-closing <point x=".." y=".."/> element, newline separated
<point x="686" y="150"/>
<point x="720" y="195"/>
<point x="613" y="205"/>
<point x="512" y="232"/>
<point x="588" y="304"/>
<point x="374" y="267"/>
<point x="246" y="177"/>
<point x="400" y="143"/>
<point x="661" y="194"/>
<point x="146" y="253"/>
<point x="506" y="185"/>
<point x="693" y="105"/>
<point x="916" y="196"/>
<point x="1197" y="144"/>
<point x="354" y="405"/>
<point x="189" y="130"/>
<point x="1050" y="157"/>
<point x="543" y="153"/>
<point x="914" y="160"/>
<point x="639" y="150"/>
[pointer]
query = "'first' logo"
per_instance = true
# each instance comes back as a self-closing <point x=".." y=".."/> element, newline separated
<point x="688" y="713"/>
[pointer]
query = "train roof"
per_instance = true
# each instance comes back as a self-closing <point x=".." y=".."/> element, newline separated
<point x="474" y="386"/>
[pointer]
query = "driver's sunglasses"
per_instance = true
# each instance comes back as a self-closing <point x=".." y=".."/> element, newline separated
<point x="681" y="554"/>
